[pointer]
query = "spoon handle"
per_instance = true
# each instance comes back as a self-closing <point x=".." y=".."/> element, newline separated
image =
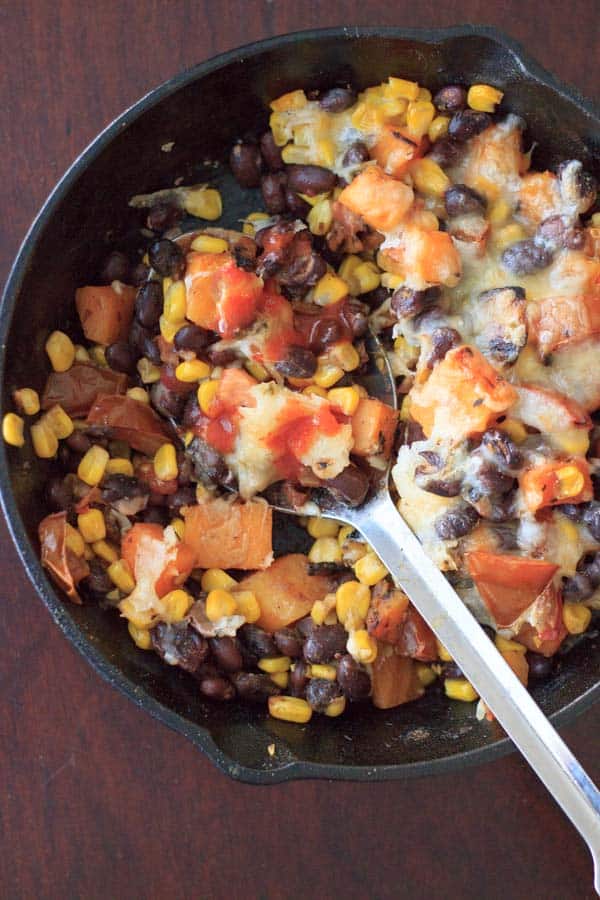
<point x="524" y="722"/>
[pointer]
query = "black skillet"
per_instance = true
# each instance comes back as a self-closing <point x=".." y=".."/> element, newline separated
<point x="202" y="112"/>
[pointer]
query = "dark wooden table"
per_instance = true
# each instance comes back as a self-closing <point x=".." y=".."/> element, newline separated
<point x="100" y="801"/>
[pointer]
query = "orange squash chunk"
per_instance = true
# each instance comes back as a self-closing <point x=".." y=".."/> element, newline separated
<point x="394" y="681"/>
<point x="381" y="200"/>
<point x="557" y="321"/>
<point x="539" y="196"/>
<point x="424" y="257"/>
<point x="394" y="150"/>
<point x="219" y="295"/>
<point x="105" y="313"/>
<point x="226" y="535"/>
<point x="373" y="428"/>
<point x="556" y="482"/>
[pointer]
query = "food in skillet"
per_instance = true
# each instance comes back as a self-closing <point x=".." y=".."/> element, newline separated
<point x="224" y="370"/>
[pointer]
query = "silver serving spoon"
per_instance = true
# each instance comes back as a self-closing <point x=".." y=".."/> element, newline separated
<point x="382" y="526"/>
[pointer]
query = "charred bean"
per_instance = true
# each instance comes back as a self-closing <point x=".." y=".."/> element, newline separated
<point x="375" y="298"/>
<point x="246" y="163"/>
<point x="217" y="688"/>
<point x="591" y="518"/>
<point x="353" y="679"/>
<point x="590" y="566"/>
<point x="326" y="332"/>
<point x="445" y="152"/>
<point x="442" y="340"/>
<point x="456" y="523"/>
<point x="155" y="514"/>
<point x="540" y="667"/>
<point x="297" y="363"/>
<point x="490" y="480"/>
<point x="209" y="465"/>
<point x="97" y="582"/>
<point x="450" y="98"/>
<point x="356" y="154"/>
<point x="121" y="487"/>
<point x="288" y="642"/>
<point x="350" y="486"/>
<point x="451" y="670"/>
<point x="166" y="258"/>
<point x="320" y="692"/>
<point x="357" y="316"/>
<point x="253" y="687"/>
<point x="166" y="402"/>
<point x="120" y="357"/>
<point x="325" y="642"/>
<point x="467" y="123"/>
<point x="181" y="643"/>
<point x="226" y="653"/>
<point x="257" y="641"/>
<point x="526" y="257"/>
<point x="116" y="267"/>
<point x="573" y="511"/>
<point x="407" y="302"/>
<point x="273" y="189"/>
<point x="500" y="446"/>
<point x="461" y="199"/>
<point x="149" y="304"/>
<point x="271" y="153"/>
<point x="311" y="180"/>
<point x="306" y="626"/>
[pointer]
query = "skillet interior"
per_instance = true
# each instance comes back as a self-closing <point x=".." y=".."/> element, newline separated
<point x="203" y="111"/>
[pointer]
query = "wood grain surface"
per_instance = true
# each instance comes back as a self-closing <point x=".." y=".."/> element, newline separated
<point x="100" y="801"/>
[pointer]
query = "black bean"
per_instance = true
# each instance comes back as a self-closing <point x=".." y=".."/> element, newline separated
<point x="375" y="298"/>
<point x="353" y="679"/>
<point x="97" y="582"/>
<point x="591" y="518"/>
<point x="350" y="486"/>
<point x="149" y="304"/>
<point x="585" y="184"/>
<point x="271" y="153"/>
<point x="306" y="626"/>
<point x="557" y="231"/>
<point x="121" y="357"/>
<point x="116" y="267"/>
<point x="573" y="511"/>
<point x="246" y="163"/>
<point x="460" y="200"/>
<point x="122" y="487"/>
<point x="298" y="678"/>
<point x="445" y="152"/>
<point x="217" y="688"/>
<point x="467" y="123"/>
<point x="226" y="653"/>
<point x="139" y="274"/>
<point x="141" y="340"/>
<point x="502" y="448"/>
<point x="440" y="487"/>
<point x="356" y="154"/>
<point x="320" y="692"/>
<point x="273" y="189"/>
<point x="296" y="206"/>
<point x="577" y="587"/>
<point x="525" y="257"/>
<point x="450" y="98"/>
<point x="288" y="642"/>
<point x="209" y="465"/>
<point x="192" y="337"/>
<point x="184" y="496"/>
<point x="166" y="402"/>
<point x="357" y="316"/>
<point x="166" y="258"/>
<point x="327" y="331"/>
<point x="451" y="670"/>
<point x="337" y="99"/>
<point x="164" y="216"/>
<point x="181" y="643"/>
<point x="324" y="643"/>
<point x="490" y="480"/>
<point x="297" y="363"/>
<point x="540" y="667"/>
<point x="442" y="340"/>
<point x="456" y="523"/>
<point x="407" y="302"/>
<point x="311" y="180"/>
<point x="590" y="566"/>
<point x="79" y="442"/>
<point x="253" y="687"/>
<point x="155" y="514"/>
<point x="302" y="272"/>
<point x="257" y="641"/>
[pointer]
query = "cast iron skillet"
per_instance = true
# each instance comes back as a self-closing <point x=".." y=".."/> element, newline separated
<point x="202" y="111"/>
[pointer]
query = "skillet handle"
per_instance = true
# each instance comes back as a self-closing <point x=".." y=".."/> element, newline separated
<point x="514" y="707"/>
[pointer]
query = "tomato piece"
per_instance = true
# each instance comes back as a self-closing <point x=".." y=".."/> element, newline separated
<point x="542" y="486"/>
<point x="77" y="388"/>
<point x="508" y="585"/>
<point x="65" y="568"/>
<point x="129" y="420"/>
<point x="417" y="640"/>
<point x="220" y="296"/>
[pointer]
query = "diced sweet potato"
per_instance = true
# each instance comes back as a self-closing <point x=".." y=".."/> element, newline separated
<point x="285" y="591"/>
<point x="395" y="149"/>
<point x="385" y="619"/>
<point x="508" y="585"/>
<point x="225" y="535"/>
<point x="219" y="295"/>
<point x="462" y="397"/>
<point x="493" y="158"/>
<point x="423" y="258"/>
<point x="548" y="411"/>
<point x="381" y="200"/>
<point x="518" y="663"/>
<point x="394" y="681"/>
<point x="539" y="197"/>
<point x="556" y="321"/>
<point x="105" y="311"/>
<point x="373" y="428"/>
<point x="556" y="482"/>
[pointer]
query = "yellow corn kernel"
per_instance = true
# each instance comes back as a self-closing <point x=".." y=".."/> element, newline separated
<point x="176" y="605"/>
<point x="499" y="212"/>
<point x="220" y="603"/>
<point x="419" y="117"/>
<point x="327" y="374"/>
<point x="192" y="370"/>
<point x="204" y="203"/>
<point x="336" y="707"/>
<point x="148" y="372"/>
<point x="369" y="569"/>
<point x="313" y="390"/>
<point x="567" y="532"/>
<point x="315" y="199"/>
<point x="344" y="533"/>
<point x="346" y="355"/>
<point x="207" y="392"/>
<point x="257" y="370"/>
<point x="576" y="617"/>
<point x="165" y="463"/>
<point x="61" y="351"/>
<point x="347" y="269"/>
<point x="352" y="601"/>
<point x="74" y="541"/>
<point x="93" y="465"/>
<point x="425" y="674"/>
<point x="399" y="87"/>
<point x="514" y="429"/>
<point x="98" y="356"/>
<point x="320" y="217"/>
<point x="104" y="550"/>
<point x="281" y="679"/>
<point x="188" y="438"/>
<point x="217" y="579"/>
<point x="178" y="526"/>
<point x="59" y="422"/>
<point x="140" y="636"/>
<point x="81" y="354"/>
<point x="325" y="152"/>
<point x="141" y="618"/>
<point x="248" y="605"/>
<point x="139" y="394"/>
<point x="166" y="284"/>
<point x="484" y="97"/>
<point x="248" y="227"/>
<point x="206" y="243"/>
<point x="510" y="234"/>
<point x="175" y="303"/>
<point x="202" y="493"/>
<point x="429" y="178"/>
<point x="325" y="549"/>
<point x="438" y="128"/>
<point x="45" y="442"/>
<point x="319" y="527"/>
<point x="294" y="155"/>
<point x="442" y="652"/>
<point x="460" y="689"/>
<point x="273" y="664"/>
<point x="573" y="441"/>
<point x="505" y="646"/>
<point x="392" y="282"/>
<point x="290" y="709"/>
<point x="424" y="94"/>
<point x="120" y="575"/>
<point x="346" y="399"/>
<point x="27" y="401"/>
<point x="92" y="526"/>
<point x="119" y="466"/>
<point x="12" y="431"/>
<point x="88" y="553"/>
<point x="361" y="646"/>
<point x="329" y="289"/>
<point x="323" y="671"/>
<point x="595" y="220"/>
<point x="570" y="482"/>
<point x="291" y="100"/>
<point x="367" y="277"/>
<point x="319" y="612"/>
